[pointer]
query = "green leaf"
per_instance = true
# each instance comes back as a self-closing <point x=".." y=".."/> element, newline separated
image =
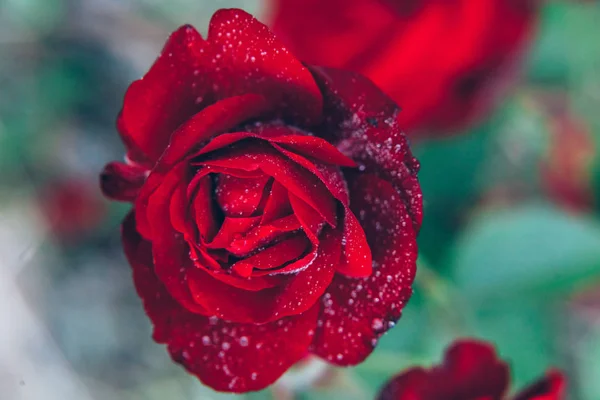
<point x="526" y="250"/>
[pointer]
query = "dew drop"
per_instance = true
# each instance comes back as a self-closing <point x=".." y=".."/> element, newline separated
<point x="377" y="324"/>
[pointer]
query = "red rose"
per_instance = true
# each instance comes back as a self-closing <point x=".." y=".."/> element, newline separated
<point x="438" y="59"/>
<point x="471" y="371"/>
<point x="275" y="205"/>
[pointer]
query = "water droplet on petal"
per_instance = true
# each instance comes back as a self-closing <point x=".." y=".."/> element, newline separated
<point x="377" y="324"/>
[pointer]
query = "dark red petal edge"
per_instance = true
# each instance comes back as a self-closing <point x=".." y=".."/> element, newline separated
<point x="246" y="57"/>
<point x="550" y="387"/>
<point x="406" y="386"/>
<point x="163" y="99"/>
<point x="471" y="369"/>
<point x="363" y="123"/>
<point x="357" y="311"/>
<point x="122" y="182"/>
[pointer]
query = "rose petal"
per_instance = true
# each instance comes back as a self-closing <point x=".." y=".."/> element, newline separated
<point x="226" y="356"/>
<point x="277" y="205"/>
<point x="239" y="197"/>
<point x="257" y="130"/>
<point x="374" y="303"/>
<point x="407" y="386"/>
<point x="366" y="129"/>
<point x="202" y="207"/>
<point x="178" y="210"/>
<point x="185" y="136"/>
<point x="228" y="302"/>
<point x="294" y="267"/>
<point x="471" y="369"/>
<point x="248" y="58"/>
<point x="224" y="140"/>
<point x="203" y="259"/>
<point x="356" y="257"/>
<point x="210" y="260"/>
<point x="240" y="357"/>
<point x="254" y="283"/>
<point x="274" y="256"/>
<point x="212" y="120"/>
<point x="262" y="234"/>
<point x="231" y="228"/>
<point x="200" y="192"/>
<point x="310" y="220"/>
<point x="316" y="148"/>
<point x="308" y="286"/>
<point x="550" y="387"/>
<point x="297" y="180"/>
<point x="328" y="174"/>
<point x="120" y="181"/>
<point x="298" y="294"/>
<point x="169" y="249"/>
<point x="158" y="103"/>
<point x="134" y="154"/>
<point x="356" y="261"/>
<point x="308" y="146"/>
<point x="153" y="182"/>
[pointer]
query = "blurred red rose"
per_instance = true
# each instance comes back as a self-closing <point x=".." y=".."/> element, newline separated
<point x="276" y="206"/>
<point x="470" y="371"/>
<point x="442" y="61"/>
<point x="72" y="208"/>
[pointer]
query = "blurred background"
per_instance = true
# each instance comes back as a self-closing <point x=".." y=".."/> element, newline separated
<point x="509" y="250"/>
